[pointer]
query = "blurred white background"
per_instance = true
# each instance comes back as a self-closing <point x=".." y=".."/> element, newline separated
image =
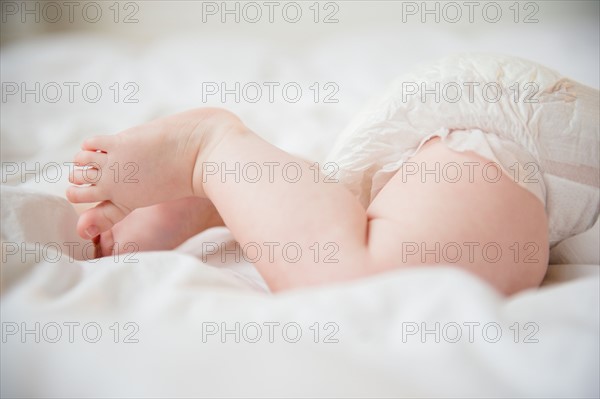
<point x="171" y="51"/>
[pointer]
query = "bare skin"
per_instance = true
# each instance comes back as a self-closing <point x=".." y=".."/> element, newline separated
<point x="159" y="227"/>
<point x="176" y="157"/>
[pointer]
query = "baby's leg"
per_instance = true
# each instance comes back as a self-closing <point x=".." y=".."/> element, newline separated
<point x="309" y="230"/>
<point x="494" y="229"/>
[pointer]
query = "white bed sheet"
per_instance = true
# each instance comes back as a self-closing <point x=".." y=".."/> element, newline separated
<point x="169" y="295"/>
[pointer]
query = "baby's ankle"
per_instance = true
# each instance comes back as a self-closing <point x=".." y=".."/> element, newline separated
<point x="217" y="128"/>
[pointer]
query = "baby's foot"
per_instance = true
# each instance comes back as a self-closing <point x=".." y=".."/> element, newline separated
<point x="146" y="165"/>
<point x="159" y="227"/>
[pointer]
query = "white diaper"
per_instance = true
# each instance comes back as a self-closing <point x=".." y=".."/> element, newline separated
<point x="512" y="160"/>
<point x="552" y="144"/>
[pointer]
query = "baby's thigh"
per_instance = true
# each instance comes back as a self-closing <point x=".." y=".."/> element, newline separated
<point x="489" y="226"/>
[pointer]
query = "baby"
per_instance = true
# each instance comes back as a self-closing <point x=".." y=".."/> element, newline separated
<point x="157" y="187"/>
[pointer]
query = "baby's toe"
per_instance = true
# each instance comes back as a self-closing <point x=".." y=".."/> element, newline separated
<point x="85" y="176"/>
<point x="99" y="219"/>
<point x="90" y="159"/>
<point x="85" y="194"/>
<point x="106" y="243"/>
<point x="98" y="143"/>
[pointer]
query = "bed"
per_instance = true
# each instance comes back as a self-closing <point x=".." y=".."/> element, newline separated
<point x="186" y="323"/>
